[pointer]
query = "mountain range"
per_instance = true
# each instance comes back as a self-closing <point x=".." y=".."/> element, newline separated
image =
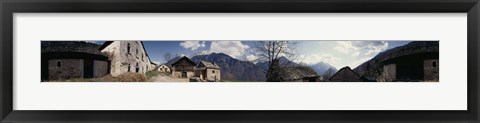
<point x="232" y="69"/>
<point x="235" y="69"/>
<point x="322" y="67"/>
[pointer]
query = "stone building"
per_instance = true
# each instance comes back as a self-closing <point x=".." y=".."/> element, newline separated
<point x="72" y="59"/>
<point x="347" y="75"/>
<point x="291" y="73"/>
<point x="164" y="68"/>
<point x="299" y="74"/>
<point x="414" y="67"/>
<point x="431" y="70"/>
<point x="183" y="68"/>
<point x="416" y="61"/>
<point x="127" y="56"/>
<point x="208" y="71"/>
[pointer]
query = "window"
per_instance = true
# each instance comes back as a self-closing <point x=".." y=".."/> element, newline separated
<point x="128" y="48"/>
<point x="213" y="71"/>
<point x="59" y="63"/>
<point x="136" y="52"/>
<point x="434" y="64"/>
<point x="142" y="57"/>
<point x="128" y="69"/>
<point x="137" y="69"/>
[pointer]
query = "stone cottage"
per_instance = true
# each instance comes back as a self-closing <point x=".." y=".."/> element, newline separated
<point x="183" y="68"/>
<point x="416" y="61"/>
<point x="208" y="71"/>
<point x="164" y="68"/>
<point x="347" y="75"/>
<point x="299" y="74"/>
<point x="72" y="59"/>
<point x="127" y="56"/>
<point x="415" y="67"/>
<point x="292" y="73"/>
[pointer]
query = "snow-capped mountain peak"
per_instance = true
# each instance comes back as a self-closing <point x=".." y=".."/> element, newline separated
<point x="205" y="52"/>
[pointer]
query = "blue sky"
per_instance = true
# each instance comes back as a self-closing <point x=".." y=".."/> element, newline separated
<point x="335" y="53"/>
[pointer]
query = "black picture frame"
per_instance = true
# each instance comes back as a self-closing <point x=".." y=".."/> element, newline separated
<point x="8" y="7"/>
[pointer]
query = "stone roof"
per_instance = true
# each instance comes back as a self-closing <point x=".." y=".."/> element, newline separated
<point x="70" y="46"/>
<point x="208" y="65"/>
<point x="186" y="59"/>
<point x="347" y="74"/>
<point x="297" y="72"/>
<point x="414" y="47"/>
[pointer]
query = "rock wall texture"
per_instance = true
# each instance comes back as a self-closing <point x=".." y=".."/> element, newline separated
<point x="59" y="69"/>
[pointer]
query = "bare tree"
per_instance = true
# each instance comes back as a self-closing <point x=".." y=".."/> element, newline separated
<point x="270" y="52"/>
<point x="167" y="56"/>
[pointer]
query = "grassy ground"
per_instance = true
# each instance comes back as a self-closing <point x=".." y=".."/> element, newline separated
<point x="84" y="80"/>
<point x="126" y="77"/>
<point x="238" y="81"/>
<point x="151" y="74"/>
<point x="231" y="81"/>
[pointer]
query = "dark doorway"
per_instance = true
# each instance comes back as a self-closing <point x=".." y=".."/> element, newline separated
<point x="88" y="68"/>
<point x="184" y="74"/>
<point x="44" y="71"/>
<point x="410" y="70"/>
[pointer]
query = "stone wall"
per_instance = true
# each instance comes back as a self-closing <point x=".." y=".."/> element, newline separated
<point x="178" y="74"/>
<point x="128" y="56"/>
<point x="389" y="73"/>
<point x="100" y="68"/>
<point x="212" y="75"/>
<point x="431" y="70"/>
<point x="164" y="68"/>
<point x="59" y="69"/>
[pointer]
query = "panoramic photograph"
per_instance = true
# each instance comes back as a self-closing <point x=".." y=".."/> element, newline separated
<point x="240" y="61"/>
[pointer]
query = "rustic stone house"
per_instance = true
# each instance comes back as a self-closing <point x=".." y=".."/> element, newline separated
<point x="208" y="71"/>
<point x="415" y="61"/>
<point x="347" y="75"/>
<point x="291" y="73"/>
<point x="299" y="74"/>
<point x="72" y="59"/>
<point x="164" y="68"/>
<point x="415" y="67"/>
<point x="183" y="68"/>
<point x="127" y="56"/>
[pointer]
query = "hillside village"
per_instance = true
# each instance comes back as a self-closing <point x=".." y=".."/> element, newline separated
<point x="129" y="61"/>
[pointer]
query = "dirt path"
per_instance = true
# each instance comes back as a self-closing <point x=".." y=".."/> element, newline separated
<point x="165" y="78"/>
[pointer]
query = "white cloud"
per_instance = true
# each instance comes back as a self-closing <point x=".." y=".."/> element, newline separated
<point x="192" y="45"/>
<point x="252" y="57"/>
<point x="316" y="58"/>
<point x="356" y="48"/>
<point x="356" y="54"/>
<point x="345" y="47"/>
<point x="235" y="49"/>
